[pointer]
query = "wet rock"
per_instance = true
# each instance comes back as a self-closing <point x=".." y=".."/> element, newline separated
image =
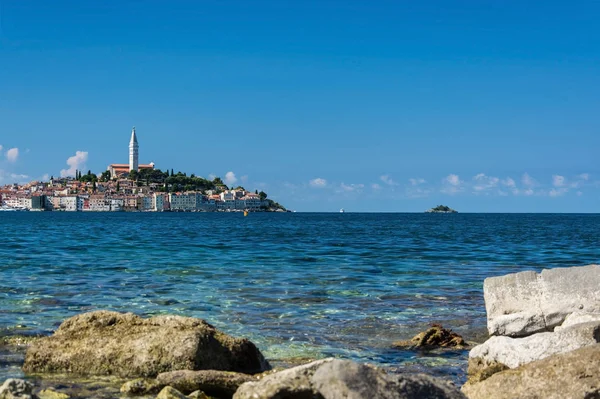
<point x="198" y="395"/>
<point x="212" y="382"/>
<point x="574" y="374"/>
<point x="436" y="336"/>
<point x="51" y="394"/>
<point x="514" y="352"/>
<point x="525" y="303"/>
<point x="337" y="379"/>
<point x="14" y="388"/>
<point x="170" y="393"/>
<point x="123" y="344"/>
<point x="141" y="386"/>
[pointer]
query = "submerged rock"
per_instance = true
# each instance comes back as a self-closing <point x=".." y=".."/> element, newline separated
<point x="337" y="379"/>
<point x="141" y="386"/>
<point x="14" y="388"/>
<point x="52" y="394"/>
<point x="574" y="374"/>
<point x="514" y="352"/>
<point x="123" y="344"/>
<point x="436" y="336"/>
<point x="212" y="382"/>
<point x="526" y="303"/>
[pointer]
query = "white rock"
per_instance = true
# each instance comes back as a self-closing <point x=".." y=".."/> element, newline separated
<point x="514" y="352"/>
<point x="577" y="318"/>
<point x="525" y="303"/>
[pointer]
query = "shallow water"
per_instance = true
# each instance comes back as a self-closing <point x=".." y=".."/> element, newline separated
<point x="299" y="285"/>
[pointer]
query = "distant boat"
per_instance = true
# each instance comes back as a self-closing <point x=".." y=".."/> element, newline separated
<point x="342" y="210"/>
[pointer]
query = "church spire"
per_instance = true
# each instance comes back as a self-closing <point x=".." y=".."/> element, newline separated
<point x="133" y="151"/>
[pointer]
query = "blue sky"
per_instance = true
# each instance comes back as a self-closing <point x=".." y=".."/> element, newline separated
<point x="485" y="106"/>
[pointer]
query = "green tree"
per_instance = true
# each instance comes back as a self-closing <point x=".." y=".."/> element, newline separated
<point x="94" y="186"/>
<point x="262" y="195"/>
<point x="118" y="187"/>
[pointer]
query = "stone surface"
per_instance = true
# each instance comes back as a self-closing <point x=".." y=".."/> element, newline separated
<point x="51" y="394"/>
<point x="141" y="386"/>
<point x="170" y="393"/>
<point x="514" y="352"/>
<point x="123" y="344"/>
<point x="198" y="395"/>
<point x="568" y="375"/>
<point x="343" y="379"/>
<point x="434" y="337"/>
<point x="212" y="382"/>
<point x="14" y="388"/>
<point x="525" y="303"/>
<point x="578" y="318"/>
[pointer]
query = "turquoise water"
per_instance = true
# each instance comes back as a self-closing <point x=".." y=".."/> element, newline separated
<point x="299" y="285"/>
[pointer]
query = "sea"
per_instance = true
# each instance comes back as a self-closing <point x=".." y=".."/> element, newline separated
<point x="300" y="285"/>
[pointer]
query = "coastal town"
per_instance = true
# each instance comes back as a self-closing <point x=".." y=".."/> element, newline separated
<point x="133" y="187"/>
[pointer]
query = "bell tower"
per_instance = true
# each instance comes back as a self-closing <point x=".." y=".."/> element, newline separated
<point x="133" y="151"/>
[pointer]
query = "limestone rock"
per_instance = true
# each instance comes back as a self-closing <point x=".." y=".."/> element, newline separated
<point x="436" y="336"/>
<point x="343" y="379"/>
<point x="525" y="303"/>
<point x="212" y="382"/>
<point x="141" y="386"/>
<point x="578" y="318"/>
<point x="514" y="352"/>
<point x="112" y="343"/>
<point x="170" y="393"/>
<point x="14" y="388"/>
<point x="198" y="395"/>
<point x="52" y="394"/>
<point x="574" y="374"/>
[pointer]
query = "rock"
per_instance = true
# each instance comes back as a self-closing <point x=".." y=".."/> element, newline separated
<point x="198" y="395"/>
<point x="170" y="393"/>
<point x="14" y="388"/>
<point x="52" y="394"/>
<point x="525" y="303"/>
<point x="574" y="374"/>
<point x="436" y="336"/>
<point x="514" y="352"/>
<point x="141" y="386"/>
<point x="343" y="379"/>
<point x="212" y="382"/>
<point x="123" y="344"/>
<point x="578" y="318"/>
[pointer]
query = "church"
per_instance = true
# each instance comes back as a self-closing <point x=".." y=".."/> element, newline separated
<point x="123" y="169"/>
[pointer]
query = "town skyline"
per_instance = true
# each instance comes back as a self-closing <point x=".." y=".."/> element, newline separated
<point x="323" y="105"/>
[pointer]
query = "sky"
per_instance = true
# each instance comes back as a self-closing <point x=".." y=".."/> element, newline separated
<point x="370" y="106"/>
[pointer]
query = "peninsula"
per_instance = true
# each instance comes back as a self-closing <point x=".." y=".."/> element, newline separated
<point x="134" y="187"/>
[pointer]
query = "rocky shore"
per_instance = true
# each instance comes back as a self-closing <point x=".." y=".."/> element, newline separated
<point x="544" y="342"/>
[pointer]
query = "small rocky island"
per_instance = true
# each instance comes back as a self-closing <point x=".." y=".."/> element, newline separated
<point x="441" y="209"/>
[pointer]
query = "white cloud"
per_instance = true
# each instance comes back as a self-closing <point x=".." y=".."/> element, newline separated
<point x="12" y="154"/>
<point x="417" y="181"/>
<point x="484" y="183"/>
<point x="352" y="187"/>
<point x="244" y="179"/>
<point x="318" y="182"/>
<point x="212" y="176"/>
<point x="579" y="193"/>
<point x="453" y="180"/>
<point x="45" y="177"/>
<point x="557" y="192"/>
<point x="583" y="176"/>
<point x="528" y="181"/>
<point x="558" y="181"/>
<point x="230" y="178"/>
<point x="528" y="192"/>
<point x="76" y="162"/>
<point x="388" y="180"/>
<point x="1" y="148"/>
<point x="508" y="182"/>
<point x="375" y="186"/>
<point x="452" y="184"/>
